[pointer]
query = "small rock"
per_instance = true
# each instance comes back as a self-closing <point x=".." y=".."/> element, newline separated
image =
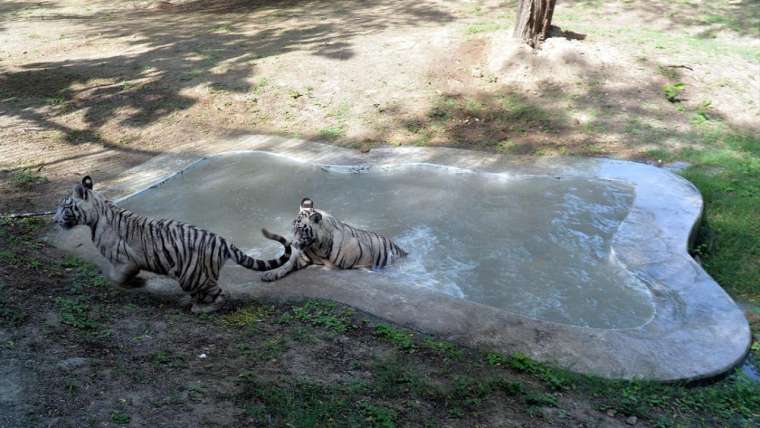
<point x="631" y="420"/>
<point x="611" y="413"/>
<point x="202" y="356"/>
<point x="52" y="319"/>
<point x="73" y="363"/>
<point x="677" y="166"/>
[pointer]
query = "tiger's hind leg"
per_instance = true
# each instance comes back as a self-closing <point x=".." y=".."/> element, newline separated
<point x="207" y="298"/>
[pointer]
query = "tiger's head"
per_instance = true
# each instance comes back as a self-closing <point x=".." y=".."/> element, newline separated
<point x="78" y="207"/>
<point x="308" y="226"/>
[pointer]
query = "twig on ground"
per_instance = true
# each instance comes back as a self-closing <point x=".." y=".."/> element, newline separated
<point x="680" y="66"/>
<point x="25" y="215"/>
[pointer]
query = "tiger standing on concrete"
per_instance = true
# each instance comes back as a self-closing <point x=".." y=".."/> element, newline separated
<point x="132" y="243"/>
<point x="319" y="238"/>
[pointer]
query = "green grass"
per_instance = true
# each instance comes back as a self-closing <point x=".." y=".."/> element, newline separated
<point x="76" y="313"/>
<point x="120" y="418"/>
<point x="322" y="313"/>
<point x="399" y="337"/>
<point x="733" y="401"/>
<point x="168" y="360"/>
<point x="332" y="133"/>
<point x="340" y="117"/>
<point x="87" y="276"/>
<point x="298" y="404"/>
<point x="728" y="176"/>
<point x="259" y="86"/>
<point x="650" y="40"/>
<point x="673" y="90"/>
<point x="247" y="316"/>
<point x="484" y="27"/>
<point x="11" y="316"/>
<point x="26" y="178"/>
<point x="446" y="349"/>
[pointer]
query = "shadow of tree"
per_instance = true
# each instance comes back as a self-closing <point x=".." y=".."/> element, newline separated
<point x="89" y="111"/>
<point x="171" y="51"/>
<point x="10" y="9"/>
<point x="596" y="111"/>
<point x="709" y="17"/>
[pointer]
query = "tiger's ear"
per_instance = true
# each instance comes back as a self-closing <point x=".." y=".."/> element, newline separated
<point x="87" y="182"/>
<point x="315" y="217"/>
<point x="80" y="192"/>
<point x="307" y="203"/>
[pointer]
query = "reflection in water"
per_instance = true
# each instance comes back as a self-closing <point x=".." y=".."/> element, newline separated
<point x="537" y="246"/>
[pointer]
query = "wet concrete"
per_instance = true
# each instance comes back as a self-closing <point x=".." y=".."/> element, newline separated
<point x="696" y="330"/>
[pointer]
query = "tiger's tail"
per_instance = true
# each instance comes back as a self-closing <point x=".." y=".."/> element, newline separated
<point x="261" y="265"/>
<point x="399" y="251"/>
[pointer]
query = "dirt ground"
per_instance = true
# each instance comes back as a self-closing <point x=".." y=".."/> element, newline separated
<point x="79" y="352"/>
<point x="95" y="87"/>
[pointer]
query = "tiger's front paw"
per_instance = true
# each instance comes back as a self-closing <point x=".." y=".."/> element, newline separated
<point x="270" y="276"/>
<point x="207" y="308"/>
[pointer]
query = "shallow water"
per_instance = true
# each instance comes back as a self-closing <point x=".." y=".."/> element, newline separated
<point x="536" y="246"/>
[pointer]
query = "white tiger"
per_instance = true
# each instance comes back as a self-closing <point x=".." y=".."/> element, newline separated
<point x="319" y="238"/>
<point x="132" y="243"/>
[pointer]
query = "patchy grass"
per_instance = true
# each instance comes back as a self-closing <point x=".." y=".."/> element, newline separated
<point x="446" y="349"/>
<point x="76" y="313"/>
<point x="650" y="40"/>
<point x="331" y="133"/>
<point x="728" y="176"/>
<point x="399" y="337"/>
<point x="26" y="178"/>
<point x="259" y="86"/>
<point x="120" y="418"/>
<point x="323" y="313"/>
<point x="11" y="316"/>
<point x="248" y="316"/>
<point x="396" y="376"/>
<point x="673" y="90"/>
<point x="484" y="27"/>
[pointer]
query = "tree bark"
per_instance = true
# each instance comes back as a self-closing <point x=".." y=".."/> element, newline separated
<point x="534" y="17"/>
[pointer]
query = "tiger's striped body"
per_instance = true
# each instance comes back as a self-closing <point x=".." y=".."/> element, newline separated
<point x="319" y="238"/>
<point x="132" y="243"/>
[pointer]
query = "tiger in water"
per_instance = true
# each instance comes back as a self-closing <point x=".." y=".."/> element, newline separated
<point x="319" y="238"/>
<point x="132" y="243"/>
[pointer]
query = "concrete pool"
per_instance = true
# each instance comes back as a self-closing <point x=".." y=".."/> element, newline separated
<point x="536" y="246"/>
<point x="578" y="262"/>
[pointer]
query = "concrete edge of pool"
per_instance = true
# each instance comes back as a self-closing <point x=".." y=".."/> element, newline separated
<point x="697" y="331"/>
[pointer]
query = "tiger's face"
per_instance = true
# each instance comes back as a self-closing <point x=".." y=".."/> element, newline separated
<point x="75" y="208"/>
<point x="307" y="225"/>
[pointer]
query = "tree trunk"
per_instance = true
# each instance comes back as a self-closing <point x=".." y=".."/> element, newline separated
<point x="534" y="17"/>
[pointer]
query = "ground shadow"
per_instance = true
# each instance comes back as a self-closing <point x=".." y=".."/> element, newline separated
<point x="555" y="31"/>
<point x="708" y="17"/>
<point x="172" y="51"/>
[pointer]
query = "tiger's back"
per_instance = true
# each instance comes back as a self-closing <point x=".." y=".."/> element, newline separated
<point x="349" y="247"/>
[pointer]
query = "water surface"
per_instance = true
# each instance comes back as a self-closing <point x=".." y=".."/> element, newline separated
<point x="536" y="246"/>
